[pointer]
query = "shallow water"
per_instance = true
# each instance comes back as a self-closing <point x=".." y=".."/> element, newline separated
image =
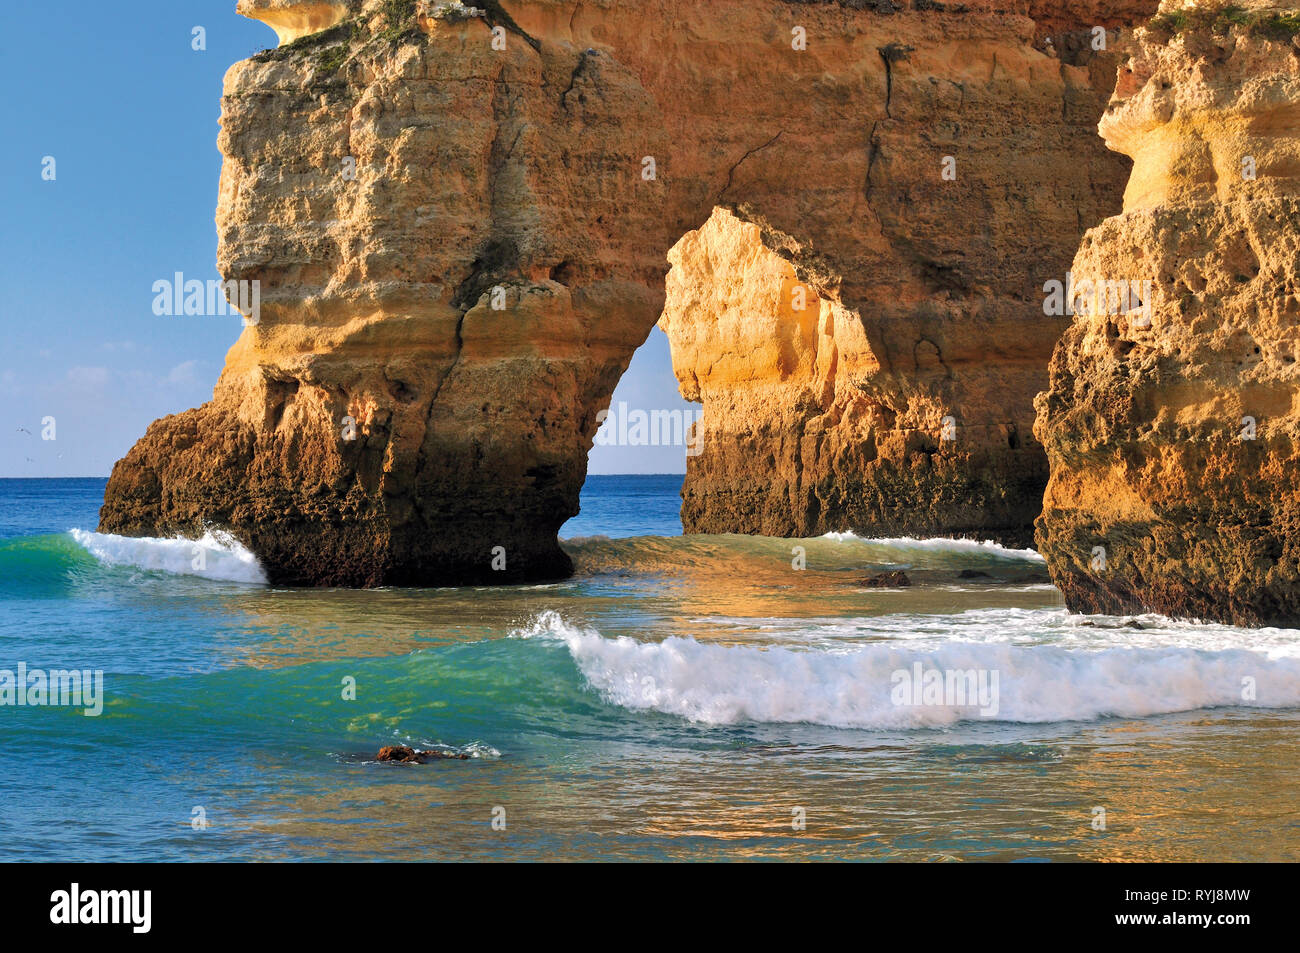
<point x="680" y="697"/>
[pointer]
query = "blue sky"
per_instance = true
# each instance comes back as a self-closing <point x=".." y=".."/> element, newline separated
<point x="128" y="110"/>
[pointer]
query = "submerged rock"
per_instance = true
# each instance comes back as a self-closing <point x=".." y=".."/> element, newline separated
<point x="405" y="755"/>
<point x="886" y="580"/>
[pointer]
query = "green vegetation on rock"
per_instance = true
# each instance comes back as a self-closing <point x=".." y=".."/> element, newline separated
<point x="1220" y="21"/>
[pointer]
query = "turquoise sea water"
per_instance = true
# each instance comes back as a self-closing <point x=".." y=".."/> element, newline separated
<point x="679" y="698"/>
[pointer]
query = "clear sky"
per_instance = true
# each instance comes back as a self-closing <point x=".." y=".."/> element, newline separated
<point x="128" y="110"/>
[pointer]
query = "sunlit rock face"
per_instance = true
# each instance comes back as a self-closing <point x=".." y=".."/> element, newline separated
<point x="805" y="430"/>
<point x="294" y="19"/>
<point x="460" y="220"/>
<point x="1171" y="427"/>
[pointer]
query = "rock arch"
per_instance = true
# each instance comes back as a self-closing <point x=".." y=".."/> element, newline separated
<point x="519" y="176"/>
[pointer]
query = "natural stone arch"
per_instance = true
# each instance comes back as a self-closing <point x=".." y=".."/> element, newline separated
<point x="805" y="430"/>
<point x="515" y="175"/>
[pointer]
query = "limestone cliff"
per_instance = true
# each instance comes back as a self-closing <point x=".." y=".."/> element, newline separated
<point x="898" y="400"/>
<point x="459" y="218"/>
<point x="1171" y="427"/>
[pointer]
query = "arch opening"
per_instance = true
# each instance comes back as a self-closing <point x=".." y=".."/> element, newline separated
<point x="638" y="458"/>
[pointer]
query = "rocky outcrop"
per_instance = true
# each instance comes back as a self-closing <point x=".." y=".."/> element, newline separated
<point x="402" y="754"/>
<point x="1171" y="423"/>
<point x="895" y="396"/>
<point x="294" y="19"/>
<point x="911" y="419"/>
<point x="458" y="217"/>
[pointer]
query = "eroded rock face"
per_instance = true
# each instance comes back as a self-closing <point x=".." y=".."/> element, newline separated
<point x="402" y="754"/>
<point x="1171" y="431"/>
<point x="294" y="19"/>
<point x="805" y="430"/>
<point x="899" y="400"/>
<point x="461" y="242"/>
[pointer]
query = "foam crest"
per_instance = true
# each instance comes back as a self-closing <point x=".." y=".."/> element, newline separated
<point x="940" y="545"/>
<point x="217" y="555"/>
<point x="729" y="684"/>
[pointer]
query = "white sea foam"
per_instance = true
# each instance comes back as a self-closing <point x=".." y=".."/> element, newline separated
<point x="1015" y="626"/>
<point x="726" y="684"/>
<point x="217" y="555"/>
<point x="475" y="749"/>
<point x="941" y="545"/>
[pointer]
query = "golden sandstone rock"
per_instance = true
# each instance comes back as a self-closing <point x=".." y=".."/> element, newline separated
<point x="1171" y="430"/>
<point x="294" y="19"/>
<point x="461" y="227"/>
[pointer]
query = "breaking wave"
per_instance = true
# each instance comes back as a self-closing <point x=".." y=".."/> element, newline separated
<point x="969" y="547"/>
<point x="720" y="684"/>
<point x="217" y="555"/>
<point x="711" y="551"/>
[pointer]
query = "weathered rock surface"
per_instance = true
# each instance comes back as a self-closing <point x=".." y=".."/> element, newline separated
<point x="886" y="580"/>
<point x="1172" y="434"/>
<point x="402" y="754"/>
<point x="808" y="428"/>
<point x="891" y="393"/>
<point x="294" y="19"/>
<point x="470" y="294"/>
